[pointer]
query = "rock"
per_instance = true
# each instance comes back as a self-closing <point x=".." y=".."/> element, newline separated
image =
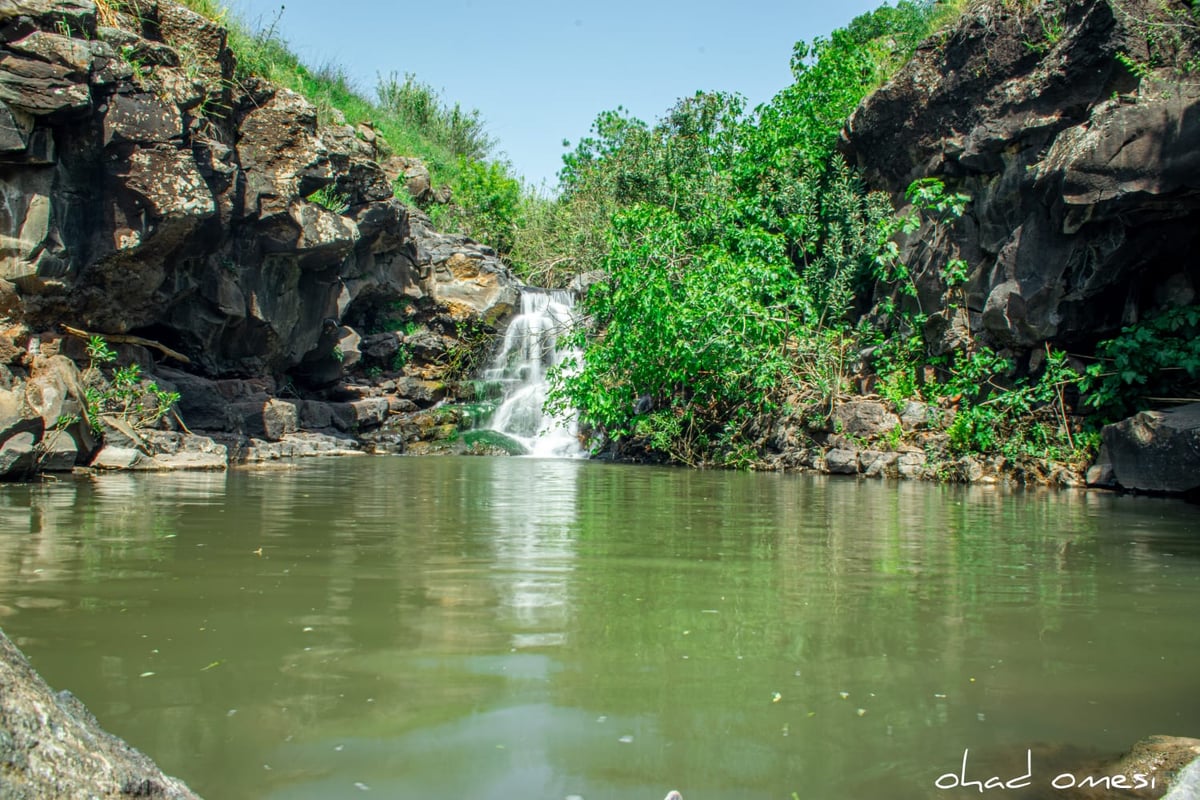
<point x="1186" y="785"/>
<point x="180" y="203"/>
<point x="841" y="462"/>
<point x="292" y="446"/>
<point x="51" y="745"/>
<point x="413" y="173"/>
<point x="1156" y="451"/>
<point x="378" y="350"/>
<point x="423" y="393"/>
<point x="163" y="451"/>
<point x="54" y="48"/>
<point x="370" y="412"/>
<point x="864" y="418"/>
<point x="58" y="452"/>
<point x="41" y="88"/>
<point x="348" y="345"/>
<point x="879" y="465"/>
<point x="1101" y="475"/>
<point x="77" y="15"/>
<point x="916" y="415"/>
<point x="17" y="454"/>
<point x="319" y="416"/>
<point x="114" y="457"/>
<point x="910" y="465"/>
<point x="1161" y="757"/>
<point x="1081" y="184"/>
<point x="272" y="419"/>
<point x="281" y="155"/>
<point x="141" y="119"/>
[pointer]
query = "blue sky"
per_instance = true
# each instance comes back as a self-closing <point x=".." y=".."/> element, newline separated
<point x="541" y="71"/>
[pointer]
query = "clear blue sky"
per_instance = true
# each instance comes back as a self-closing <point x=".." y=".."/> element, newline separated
<point x="540" y="71"/>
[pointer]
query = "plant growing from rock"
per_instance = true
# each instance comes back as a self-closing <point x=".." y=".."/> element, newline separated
<point x="126" y="396"/>
<point x="328" y="198"/>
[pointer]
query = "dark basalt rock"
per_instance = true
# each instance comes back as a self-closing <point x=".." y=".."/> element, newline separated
<point x="1084" y="177"/>
<point x="1154" y="451"/>
<point x="181" y="205"/>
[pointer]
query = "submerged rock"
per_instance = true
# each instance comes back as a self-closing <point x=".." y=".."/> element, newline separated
<point x="52" y="747"/>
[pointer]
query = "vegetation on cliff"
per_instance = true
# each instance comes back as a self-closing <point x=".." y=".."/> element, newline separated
<point x="410" y="118"/>
<point x="751" y="277"/>
<point x="753" y="282"/>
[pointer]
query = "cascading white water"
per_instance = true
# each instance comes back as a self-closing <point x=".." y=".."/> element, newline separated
<point x="529" y="350"/>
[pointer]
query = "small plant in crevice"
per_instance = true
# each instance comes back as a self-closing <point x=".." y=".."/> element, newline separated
<point x="330" y="199"/>
<point x="125" y="396"/>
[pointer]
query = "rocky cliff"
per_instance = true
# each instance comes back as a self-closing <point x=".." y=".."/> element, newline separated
<point x="1075" y="131"/>
<point x="231" y="238"/>
<point x="1074" y="128"/>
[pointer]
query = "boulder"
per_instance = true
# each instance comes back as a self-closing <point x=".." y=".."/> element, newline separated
<point x="864" y="418"/>
<point x="1155" y="451"/>
<point x="841" y="462"/>
<point x="52" y="746"/>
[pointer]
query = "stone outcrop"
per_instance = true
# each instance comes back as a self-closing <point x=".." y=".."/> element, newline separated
<point x="1070" y="130"/>
<point x="149" y="191"/>
<point x="52" y="747"/>
<point x="1074" y="131"/>
<point x="1153" y="451"/>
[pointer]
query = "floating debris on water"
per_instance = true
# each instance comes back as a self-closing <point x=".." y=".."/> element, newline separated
<point x="627" y="739"/>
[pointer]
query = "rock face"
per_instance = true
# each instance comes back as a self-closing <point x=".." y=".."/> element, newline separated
<point x="1155" y="451"/>
<point x="148" y="191"/>
<point x="52" y="747"/>
<point x="1069" y="127"/>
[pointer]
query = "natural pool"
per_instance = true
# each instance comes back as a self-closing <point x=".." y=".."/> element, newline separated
<point x="518" y="628"/>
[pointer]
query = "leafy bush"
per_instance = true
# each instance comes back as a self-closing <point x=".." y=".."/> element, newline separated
<point x="126" y="396"/>
<point x="1158" y="357"/>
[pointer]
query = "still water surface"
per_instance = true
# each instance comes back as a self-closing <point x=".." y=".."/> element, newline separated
<point x="515" y="628"/>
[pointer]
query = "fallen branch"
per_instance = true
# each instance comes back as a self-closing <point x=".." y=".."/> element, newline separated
<point x="124" y="338"/>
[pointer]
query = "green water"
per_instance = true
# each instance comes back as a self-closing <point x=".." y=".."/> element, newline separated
<point x="516" y="628"/>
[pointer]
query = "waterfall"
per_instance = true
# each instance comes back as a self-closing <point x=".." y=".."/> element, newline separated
<point x="529" y="350"/>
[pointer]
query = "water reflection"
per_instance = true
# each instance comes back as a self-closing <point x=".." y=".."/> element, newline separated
<point x="513" y="627"/>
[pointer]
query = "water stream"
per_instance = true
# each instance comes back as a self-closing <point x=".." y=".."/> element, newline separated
<point x="529" y="351"/>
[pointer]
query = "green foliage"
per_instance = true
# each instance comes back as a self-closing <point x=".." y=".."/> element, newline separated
<point x="737" y="248"/>
<point x="1158" y="357"/>
<point x="1019" y="418"/>
<point x="487" y="204"/>
<point x="126" y="396"/>
<point x="418" y="105"/>
<point x="329" y="198"/>
<point x="409" y="117"/>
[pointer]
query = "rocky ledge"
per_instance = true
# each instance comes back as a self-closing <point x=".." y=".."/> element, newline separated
<point x="52" y="747"/>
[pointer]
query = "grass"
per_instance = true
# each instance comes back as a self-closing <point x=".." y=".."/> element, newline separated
<point x="410" y="118"/>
